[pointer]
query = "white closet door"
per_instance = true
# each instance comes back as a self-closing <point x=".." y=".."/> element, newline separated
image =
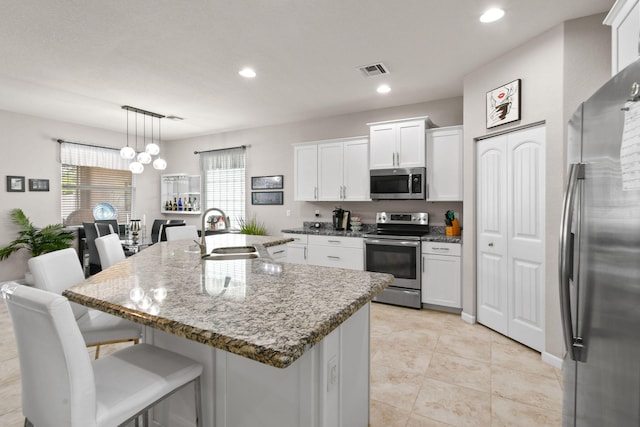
<point x="525" y="275"/>
<point x="510" y="214"/>
<point x="492" y="233"/>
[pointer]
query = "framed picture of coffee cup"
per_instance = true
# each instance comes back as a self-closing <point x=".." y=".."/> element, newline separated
<point x="503" y="104"/>
<point x="15" y="184"/>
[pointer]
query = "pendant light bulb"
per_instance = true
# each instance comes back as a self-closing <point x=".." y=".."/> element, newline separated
<point x="152" y="148"/>
<point x="144" y="158"/>
<point x="127" y="153"/>
<point x="159" y="164"/>
<point x="136" y="167"/>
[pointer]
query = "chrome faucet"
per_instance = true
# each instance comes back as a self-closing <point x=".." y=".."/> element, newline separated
<point x="203" y="241"/>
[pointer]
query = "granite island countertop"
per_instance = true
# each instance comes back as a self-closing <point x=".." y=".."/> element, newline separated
<point x="268" y="311"/>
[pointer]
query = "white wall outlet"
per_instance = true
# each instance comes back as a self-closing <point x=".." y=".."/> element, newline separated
<point x="288" y="212"/>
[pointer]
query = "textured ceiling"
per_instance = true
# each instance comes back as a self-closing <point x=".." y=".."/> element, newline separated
<point x="79" y="61"/>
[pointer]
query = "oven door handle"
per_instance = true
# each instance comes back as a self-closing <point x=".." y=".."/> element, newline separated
<point x="390" y="242"/>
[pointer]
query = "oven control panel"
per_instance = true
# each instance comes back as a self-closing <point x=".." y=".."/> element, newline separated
<point x="420" y="218"/>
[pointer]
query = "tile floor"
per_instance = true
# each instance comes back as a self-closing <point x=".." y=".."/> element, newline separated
<point x="428" y="369"/>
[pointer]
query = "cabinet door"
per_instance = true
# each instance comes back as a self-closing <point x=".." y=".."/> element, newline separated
<point x="356" y="170"/>
<point x="444" y="164"/>
<point x="338" y="257"/>
<point x="278" y="253"/>
<point x="624" y="19"/>
<point x="441" y="284"/>
<point x="382" y="151"/>
<point x="305" y="172"/>
<point x="296" y="254"/>
<point x="330" y="167"/>
<point x="410" y="143"/>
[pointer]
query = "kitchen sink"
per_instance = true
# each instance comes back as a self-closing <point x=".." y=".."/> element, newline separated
<point x="235" y="250"/>
<point x="231" y="253"/>
<point x="228" y="257"/>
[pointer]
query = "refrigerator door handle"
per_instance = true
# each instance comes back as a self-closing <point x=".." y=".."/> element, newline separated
<point x="572" y="344"/>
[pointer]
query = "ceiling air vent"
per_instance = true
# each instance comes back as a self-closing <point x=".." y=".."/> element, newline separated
<point x="374" y="69"/>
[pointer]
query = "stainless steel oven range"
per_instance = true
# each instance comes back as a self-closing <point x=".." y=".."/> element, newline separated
<point x="395" y="249"/>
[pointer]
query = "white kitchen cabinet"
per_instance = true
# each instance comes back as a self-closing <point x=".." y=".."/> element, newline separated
<point x="296" y="250"/>
<point x="336" y="251"/>
<point x="444" y="164"/>
<point x="398" y="143"/>
<point x="624" y="19"/>
<point x="442" y="274"/>
<point x="335" y="170"/>
<point x="278" y="252"/>
<point x="305" y="171"/>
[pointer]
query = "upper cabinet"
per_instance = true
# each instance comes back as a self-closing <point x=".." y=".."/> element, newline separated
<point x="336" y="170"/>
<point x="180" y="194"/>
<point x="444" y="164"/>
<point x="398" y="143"/>
<point x="624" y="19"/>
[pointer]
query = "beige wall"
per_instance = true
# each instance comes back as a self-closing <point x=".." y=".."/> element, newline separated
<point x="559" y="69"/>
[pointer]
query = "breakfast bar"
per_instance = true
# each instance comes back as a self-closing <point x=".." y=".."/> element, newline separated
<point x="282" y="344"/>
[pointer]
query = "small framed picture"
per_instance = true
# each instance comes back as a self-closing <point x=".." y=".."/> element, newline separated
<point x="267" y="182"/>
<point x="15" y="184"/>
<point x="38" y="185"/>
<point x="267" y="198"/>
<point x="503" y="104"/>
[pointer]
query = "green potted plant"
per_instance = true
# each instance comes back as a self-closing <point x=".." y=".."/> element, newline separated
<point x="252" y="226"/>
<point x="37" y="241"/>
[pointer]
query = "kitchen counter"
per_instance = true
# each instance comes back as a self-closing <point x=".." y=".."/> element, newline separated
<point x="268" y="311"/>
<point x="281" y="345"/>
<point x="436" y="233"/>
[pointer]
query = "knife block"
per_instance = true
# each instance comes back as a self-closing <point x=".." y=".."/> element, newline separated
<point x="454" y="229"/>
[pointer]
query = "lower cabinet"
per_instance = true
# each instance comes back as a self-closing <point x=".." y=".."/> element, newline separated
<point x="327" y="251"/>
<point x="441" y="274"/>
<point x="336" y="251"/>
<point x="296" y="250"/>
<point x="279" y="252"/>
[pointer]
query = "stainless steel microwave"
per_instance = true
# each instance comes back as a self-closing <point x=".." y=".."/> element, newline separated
<point x="398" y="184"/>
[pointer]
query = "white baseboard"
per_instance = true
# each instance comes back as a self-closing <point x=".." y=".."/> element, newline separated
<point x="552" y="360"/>
<point x="468" y="318"/>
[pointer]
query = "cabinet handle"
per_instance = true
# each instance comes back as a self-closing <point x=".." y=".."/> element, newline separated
<point x="315" y="193"/>
<point x="305" y="252"/>
<point x="334" y="241"/>
<point x="344" y="192"/>
<point x="333" y="257"/>
<point x="447" y="249"/>
<point x="423" y="263"/>
<point x="278" y="252"/>
<point x="490" y="244"/>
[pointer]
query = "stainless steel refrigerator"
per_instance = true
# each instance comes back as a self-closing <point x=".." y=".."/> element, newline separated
<point x="600" y="258"/>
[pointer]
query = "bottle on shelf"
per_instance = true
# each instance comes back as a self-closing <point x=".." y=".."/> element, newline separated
<point x="189" y="205"/>
<point x="175" y="204"/>
<point x="179" y="203"/>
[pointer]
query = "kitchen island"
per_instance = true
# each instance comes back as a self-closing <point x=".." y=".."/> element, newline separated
<point x="281" y="344"/>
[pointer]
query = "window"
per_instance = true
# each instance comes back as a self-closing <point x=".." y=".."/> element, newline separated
<point x="224" y="182"/>
<point x="92" y="175"/>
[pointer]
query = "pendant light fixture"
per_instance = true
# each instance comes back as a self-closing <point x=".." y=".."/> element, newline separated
<point x="159" y="163"/>
<point x="151" y="149"/>
<point x="127" y="152"/>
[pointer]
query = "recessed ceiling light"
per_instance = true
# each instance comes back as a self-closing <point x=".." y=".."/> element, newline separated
<point x="247" y="72"/>
<point x="383" y="89"/>
<point x="492" y="15"/>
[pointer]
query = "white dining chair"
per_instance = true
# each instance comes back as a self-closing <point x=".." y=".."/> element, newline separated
<point x="59" y="270"/>
<point x="180" y="233"/>
<point x="109" y="250"/>
<point x="62" y="387"/>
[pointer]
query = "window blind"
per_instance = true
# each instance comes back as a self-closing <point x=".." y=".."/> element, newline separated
<point x="92" y="175"/>
<point x="224" y="182"/>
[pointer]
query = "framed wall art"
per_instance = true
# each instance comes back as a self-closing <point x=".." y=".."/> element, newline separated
<point x="503" y="104"/>
<point x="272" y="182"/>
<point x="267" y="198"/>
<point x="38" y="185"/>
<point x="15" y="184"/>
